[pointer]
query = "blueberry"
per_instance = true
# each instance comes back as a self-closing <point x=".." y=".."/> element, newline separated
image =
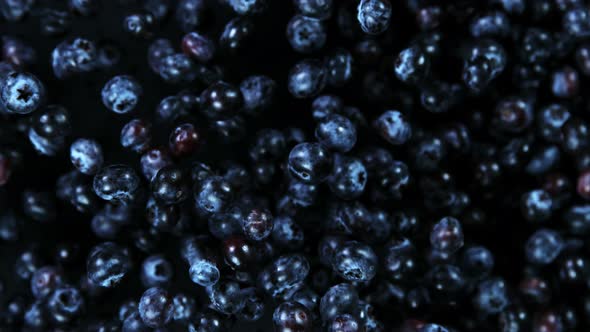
<point x="340" y="67"/>
<point x="156" y="307"/>
<point x="393" y="127"/>
<point x="477" y="262"/>
<point x="121" y="94"/>
<point x="412" y="65"/>
<point x="259" y="93"/>
<point x="136" y="135"/>
<point x="177" y="68"/>
<point x="65" y="304"/>
<point x="44" y="281"/>
<point x="349" y="178"/>
<point x="20" y="93"/>
<point x="491" y="24"/>
<point x="107" y="264"/>
<point x="306" y="34"/>
<point x="73" y="57"/>
<point x="139" y="24"/>
<point x="54" y="22"/>
<point x="307" y="78"/>
<point x="212" y="195"/>
<point x="321" y="9"/>
<point x="339" y="299"/>
<point x="575" y="22"/>
<point x="153" y="160"/>
<point x="292" y="316"/>
<point x="156" y="270"/>
<point x="248" y="7"/>
<point x="284" y="275"/>
<point x="86" y="155"/>
<point x="84" y="7"/>
<point x="310" y="162"/>
<point x="190" y="14"/>
<point x="198" y="46"/>
<point x="336" y="132"/>
<point x="253" y="308"/>
<point x="543" y="247"/>
<point x="355" y="261"/>
<point x="374" y="15"/>
<point x="184" y="307"/>
<point x="116" y="183"/>
<point x="492" y="296"/>
<point x="15" y="10"/>
<point x="345" y="323"/>
<point x="225" y="297"/>
<point x="536" y="205"/>
<point x="565" y="83"/>
<point x="399" y="260"/>
<point x="447" y="235"/>
<point x="104" y="227"/>
<point x="170" y="185"/>
<point x="236" y="35"/>
<point x="39" y="206"/>
<point x="221" y="99"/>
<point x="258" y="224"/>
<point x="325" y="105"/>
<point x="134" y="323"/>
<point x="17" y="53"/>
<point x="202" y="269"/>
<point x="157" y="51"/>
<point x="160" y="216"/>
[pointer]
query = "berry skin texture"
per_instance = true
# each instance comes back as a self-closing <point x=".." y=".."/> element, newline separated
<point x="170" y="185"/>
<point x="136" y="135"/>
<point x="107" y="264"/>
<point x="259" y="93"/>
<point x="321" y="9"/>
<point x="543" y="247"/>
<point x="536" y="205"/>
<point x="492" y="296"/>
<point x="307" y="78"/>
<point x="355" y="261"/>
<point x="184" y="140"/>
<point x="258" y="224"/>
<point x="156" y="307"/>
<point x="374" y="16"/>
<point x="156" y="270"/>
<point x="583" y="185"/>
<point x="412" y="65"/>
<point x="65" y="304"/>
<point x="121" y="94"/>
<point x="447" y="235"/>
<point x="306" y="34"/>
<point x="20" y="93"/>
<point x="292" y="316"/>
<point x="393" y="127"/>
<point x="310" y="162"/>
<point x="86" y="155"/>
<point x="336" y="132"/>
<point x="198" y="47"/>
<point x="348" y="179"/>
<point x="221" y="100"/>
<point x="116" y="183"/>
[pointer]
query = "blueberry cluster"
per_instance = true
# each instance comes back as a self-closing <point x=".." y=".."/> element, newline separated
<point x="295" y="165"/>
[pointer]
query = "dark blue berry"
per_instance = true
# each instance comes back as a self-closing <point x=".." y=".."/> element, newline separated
<point x="310" y="162"/>
<point x="374" y="15"/>
<point x="543" y="247"/>
<point x="121" y="94"/>
<point x="107" y="264"/>
<point x="20" y="93"/>
<point x="336" y="132"/>
<point x="156" y="307"/>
